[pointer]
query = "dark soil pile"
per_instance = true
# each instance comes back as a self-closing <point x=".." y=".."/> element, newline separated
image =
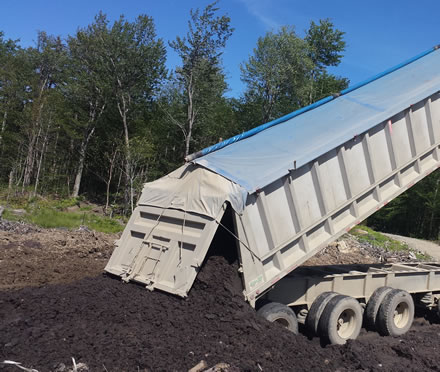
<point x="111" y="326"/>
<point x="66" y="308"/>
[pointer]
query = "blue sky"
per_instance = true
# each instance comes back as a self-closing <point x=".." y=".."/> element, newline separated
<point x="379" y="34"/>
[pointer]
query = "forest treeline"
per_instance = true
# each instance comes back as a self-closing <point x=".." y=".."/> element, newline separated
<point x="98" y="114"/>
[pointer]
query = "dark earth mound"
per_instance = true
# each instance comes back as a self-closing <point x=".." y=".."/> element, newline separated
<point x="55" y="305"/>
<point x="111" y="326"/>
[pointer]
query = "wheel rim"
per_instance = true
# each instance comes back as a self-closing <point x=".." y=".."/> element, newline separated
<point x="346" y="323"/>
<point x="401" y="315"/>
<point x="282" y="321"/>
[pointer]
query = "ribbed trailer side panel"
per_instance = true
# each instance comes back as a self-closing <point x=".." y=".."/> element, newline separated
<point x="304" y="285"/>
<point x="294" y="217"/>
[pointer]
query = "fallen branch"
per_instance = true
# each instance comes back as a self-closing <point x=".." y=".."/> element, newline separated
<point x="18" y="365"/>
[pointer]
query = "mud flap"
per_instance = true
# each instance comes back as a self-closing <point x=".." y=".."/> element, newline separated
<point x="163" y="248"/>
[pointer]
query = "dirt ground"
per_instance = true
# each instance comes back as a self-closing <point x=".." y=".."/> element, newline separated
<point x="56" y="304"/>
<point x="30" y="256"/>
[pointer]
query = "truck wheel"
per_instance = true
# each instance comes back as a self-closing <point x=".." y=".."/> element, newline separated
<point x="316" y="310"/>
<point x="373" y="306"/>
<point x="341" y="320"/>
<point x="396" y="313"/>
<point x="279" y="313"/>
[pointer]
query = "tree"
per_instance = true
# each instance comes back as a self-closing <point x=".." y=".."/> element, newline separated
<point x="48" y="61"/>
<point x="13" y="67"/>
<point x="325" y="47"/>
<point x="201" y="78"/>
<point x="8" y="80"/>
<point x="89" y="87"/>
<point x="135" y="59"/>
<point x="276" y="74"/>
<point x="325" y="44"/>
<point x="287" y="72"/>
<point x="414" y="213"/>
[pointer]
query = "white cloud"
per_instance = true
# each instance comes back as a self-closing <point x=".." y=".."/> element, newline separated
<point x="259" y="9"/>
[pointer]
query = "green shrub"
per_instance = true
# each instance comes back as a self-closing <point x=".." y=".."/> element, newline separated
<point x="368" y="235"/>
<point x="50" y="218"/>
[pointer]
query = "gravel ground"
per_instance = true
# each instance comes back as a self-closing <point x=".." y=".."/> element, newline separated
<point x="424" y="246"/>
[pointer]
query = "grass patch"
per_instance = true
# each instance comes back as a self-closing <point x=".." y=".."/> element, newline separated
<point x="86" y="208"/>
<point x="368" y="235"/>
<point x="49" y="218"/>
<point x="64" y="203"/>
<point x="54" y="213"/>
<point x="7" y="215"/>
<point x="52" y="218"/>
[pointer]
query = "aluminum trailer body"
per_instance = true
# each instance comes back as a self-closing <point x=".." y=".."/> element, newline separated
<point x="293" y="188"/>
<point x="296" y="216"/>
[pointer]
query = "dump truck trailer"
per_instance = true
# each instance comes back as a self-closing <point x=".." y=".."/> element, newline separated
<point x="287" y="189"/>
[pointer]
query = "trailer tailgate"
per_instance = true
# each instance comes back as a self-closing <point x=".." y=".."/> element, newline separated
<point x="163" y="248"/>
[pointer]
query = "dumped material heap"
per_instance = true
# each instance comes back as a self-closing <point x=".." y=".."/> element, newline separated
<point x="114" y="327"/>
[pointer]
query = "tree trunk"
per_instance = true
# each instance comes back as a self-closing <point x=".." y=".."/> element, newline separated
<point x="109" y="180"/>
<point x="128" y="192"/>
<point x="82" y="156"/>
<point x="54" y="165"/>
<point x="29" y="162"/>
<point x="88" y="134"/>
<point x="40" y="162"/>
<point x="19" y="166"/>
<point x="119" y="183"/>
<point x="268" y="104"/>
<point x="77" y="183"/>
<point x="11" y="181"/>
<point x="3" y="128"/>
<point x="311" y="95"/>
<point x="191" y="116"/>
<point x="30" y="159"/>
<point x="128" y="163"/>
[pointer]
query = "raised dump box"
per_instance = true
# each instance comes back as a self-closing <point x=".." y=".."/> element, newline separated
<point x="293" y="185"/>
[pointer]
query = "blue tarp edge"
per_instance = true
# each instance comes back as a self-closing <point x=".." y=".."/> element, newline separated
<point x="293" y="114"/>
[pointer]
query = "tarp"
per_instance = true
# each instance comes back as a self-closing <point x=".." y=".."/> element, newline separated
<point x="263" y="158"/>
<point x="192" y="188"/>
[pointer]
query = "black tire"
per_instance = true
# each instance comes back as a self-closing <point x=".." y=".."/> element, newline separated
<point x="341" y="320"/>
<point x="396" y="313"/>
<point x="316" y="310"/>
<point x="373" y="305"/>
<point x="279" y="313"/>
